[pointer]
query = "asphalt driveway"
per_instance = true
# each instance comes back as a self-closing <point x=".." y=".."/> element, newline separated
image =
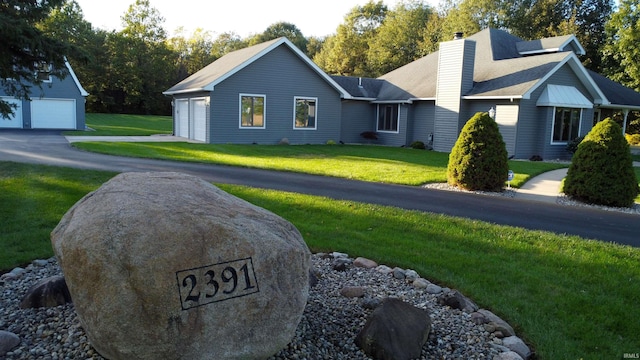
<point x="50" y="148"/>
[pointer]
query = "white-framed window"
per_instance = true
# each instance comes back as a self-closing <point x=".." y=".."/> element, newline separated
<point x="253" y="109"/>
<point x="566" y="125"/>
<point x="43" y="72"/>
<point x="388" y="117"/>
<point x="305" y="113"/>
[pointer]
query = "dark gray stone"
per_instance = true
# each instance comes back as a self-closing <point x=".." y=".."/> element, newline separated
<point x="48" y="292"/>
<point x="456" y="300"/>
<point x="8" y="341"/>
<point x="395" y="331"/>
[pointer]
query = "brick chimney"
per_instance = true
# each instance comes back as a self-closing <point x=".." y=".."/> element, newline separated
<point x="456" y="60"/>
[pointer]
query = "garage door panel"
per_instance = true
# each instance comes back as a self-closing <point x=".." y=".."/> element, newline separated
<point x="182" y="118"/>
<point x="199" y="111"/>
<point x="53" y="114"/>
<point x="14" y="121"/>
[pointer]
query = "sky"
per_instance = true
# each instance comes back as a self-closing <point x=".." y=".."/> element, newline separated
<point x="244" y="17"/>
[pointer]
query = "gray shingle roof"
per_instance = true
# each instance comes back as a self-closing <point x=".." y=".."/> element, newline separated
<point x="616" y="93"/>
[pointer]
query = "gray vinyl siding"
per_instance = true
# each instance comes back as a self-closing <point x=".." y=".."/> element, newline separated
<point x="56" y="89"/>
<point x="357" y="117"/>
<point x="564" y="76"/>
<point x="279" y="75"/>
<point x="399" y="138"/>
<point x="421" y="121"/>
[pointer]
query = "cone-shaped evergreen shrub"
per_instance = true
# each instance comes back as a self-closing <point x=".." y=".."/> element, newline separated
<point x="601" y="170"/>
<point x="478" y="160"/>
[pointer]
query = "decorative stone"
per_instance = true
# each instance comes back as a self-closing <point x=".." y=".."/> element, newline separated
<point x="341" y="263"/>
<point x="384" y="269"/>
<point x="40" y="262"/>
<point x="167" y="266"/>
<point x="352" y="291"/>
<point x="421" y="283"/>
<point x="8" y="341"/>
<point x="410" y="275"/>
<point x="433" y="289"/>
<point x="395" y="331"/>
<point x="336" y="255"/>
<point x="456" y="300"/>
<point x="516" y="344"/>
<point x="398" y="273"/>
<point x="371" y="302"/>
<point x="497" y="323"/>
<point x="364" y="263"/>
<point x="48" y="292"/>
<point x="508" y="355"/>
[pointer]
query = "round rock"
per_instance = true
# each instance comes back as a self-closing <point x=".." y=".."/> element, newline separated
<point x="167" y="266"/>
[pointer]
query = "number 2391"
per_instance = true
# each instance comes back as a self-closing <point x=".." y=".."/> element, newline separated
<point x="217" y="282"/>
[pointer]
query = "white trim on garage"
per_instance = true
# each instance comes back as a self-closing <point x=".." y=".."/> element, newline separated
<point x="198" y="119"/>
<point x="53" y="114"/>
<point x="182" y="118"/>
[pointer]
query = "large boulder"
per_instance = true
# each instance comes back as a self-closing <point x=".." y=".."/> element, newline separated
<point x="167" y="266"/>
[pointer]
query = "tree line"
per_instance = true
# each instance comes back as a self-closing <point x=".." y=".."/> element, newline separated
<point x="126" y="71"/>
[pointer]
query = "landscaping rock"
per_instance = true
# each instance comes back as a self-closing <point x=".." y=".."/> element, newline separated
<point x="398" y="273"/>
<point x="395" y="331"/>
<point x="384" y="269"/>
<point x="8" y="341"/>
<point x="421" y="283"/>
<point x="516" y="344"/>
<point x="364" y="263"/>
<point x="167" y="266"/>
<point x="456" y="300"/>
<point x="48" y="292"/>
<point x="433" y="289"/>
<point x="508" y="355"/>
<point x="352" y="291"/>
<point x="484" y="316"/>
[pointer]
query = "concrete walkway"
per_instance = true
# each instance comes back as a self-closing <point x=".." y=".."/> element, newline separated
<point x="152" y="138"/>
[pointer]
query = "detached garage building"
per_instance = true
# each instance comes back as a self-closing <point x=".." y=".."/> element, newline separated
<point x="59" y="104"/>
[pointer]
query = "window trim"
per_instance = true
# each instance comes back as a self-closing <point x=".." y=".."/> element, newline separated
<point x="264" y="110"/>
<point x="295" y="105"/>
<point x="553" y="125"/>
<point x="397" y="120"/>
<point x="46" y="69"/>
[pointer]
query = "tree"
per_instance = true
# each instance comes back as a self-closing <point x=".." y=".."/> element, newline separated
<point x="470" y="16"/>
<point x="601" y="170"/>
<point x="621" y="53"/>
<point x="282" y="29"/>
<point x="398" y="39"/>
<point x="478" y="160"/>
<point x="345" y="53"/>
<point x="25" y="49"/>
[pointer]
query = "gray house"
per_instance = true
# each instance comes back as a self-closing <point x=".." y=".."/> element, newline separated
<point x="58" y="104"/>
<point x="537" y="91"/>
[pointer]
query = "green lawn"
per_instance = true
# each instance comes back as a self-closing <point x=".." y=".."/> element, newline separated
<point x="570" y="298"/>
<point x="124" y="124"/>
<point x="385" y="164"/>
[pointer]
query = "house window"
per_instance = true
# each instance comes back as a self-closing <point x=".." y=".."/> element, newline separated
<point x="252" y="111"/>
<point x="388" y="117"/>
<point x="305" y="111"/>
<point x="43" y="72"/>
<point x="566" y="124"/>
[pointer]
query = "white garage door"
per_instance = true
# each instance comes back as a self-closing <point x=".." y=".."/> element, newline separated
<point x="182" y="118"/>
<point x="53" y="114"/>
<point x="199" y="111"/>
<point x="507" y="119"/>
<point x="15" y="120"/>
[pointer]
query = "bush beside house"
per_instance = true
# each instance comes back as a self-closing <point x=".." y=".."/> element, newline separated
<point x="478" y="160"/>
<point x="601" y="170"/>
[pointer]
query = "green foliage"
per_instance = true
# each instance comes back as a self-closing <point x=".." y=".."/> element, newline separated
<point x="601" y="170"/>
<point x="24" y="48"/>
<point x="622" y="49"/>
<point x="572" y="146"/>
<point x="417" y="145"/>
<point x="633" y="139"/>
<point x="282" y="29"/>
<point x="478" y="160"/>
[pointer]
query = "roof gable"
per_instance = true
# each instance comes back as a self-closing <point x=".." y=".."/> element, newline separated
<point x="552" y="44"/>
<point x="208" y="77"/>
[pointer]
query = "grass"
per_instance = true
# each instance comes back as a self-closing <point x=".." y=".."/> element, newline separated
<point x="32" y="201"/>
<point x="385" y="164"/>
<point x="124" y="125"/>
<point x="568" y="297"/>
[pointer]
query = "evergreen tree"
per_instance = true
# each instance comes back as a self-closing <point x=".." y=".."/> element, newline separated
<point x="601" y="170"/>
<point x="478" y="160"/>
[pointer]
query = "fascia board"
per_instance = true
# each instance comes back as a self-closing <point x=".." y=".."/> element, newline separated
<point x="83" y="92"/>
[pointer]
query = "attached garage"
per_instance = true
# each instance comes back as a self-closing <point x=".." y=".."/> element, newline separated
<point x="199" y="119"/>
<point x="15" y="121"/>
<point x="53" y="114"/>
<point x="182" y="118"/>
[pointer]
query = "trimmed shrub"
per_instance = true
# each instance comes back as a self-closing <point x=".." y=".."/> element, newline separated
<point x="601" y="170"/>
<point x="572" y="146"/>
<point x="418" y="145"/>
<point x="633" y="139"/>
<point x="478" y="160"/>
